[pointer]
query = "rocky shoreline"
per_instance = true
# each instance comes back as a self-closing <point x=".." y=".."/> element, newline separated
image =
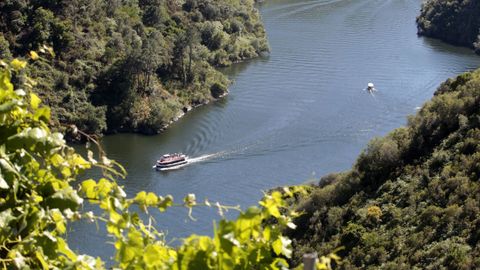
<point x="186" y="110"/>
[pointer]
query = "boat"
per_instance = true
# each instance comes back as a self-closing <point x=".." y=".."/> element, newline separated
<point x="170" y="161"/>
<point x="371" y="87"/>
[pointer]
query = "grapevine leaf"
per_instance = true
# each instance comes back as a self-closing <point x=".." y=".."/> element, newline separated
<point x="34" y="55"/>
<point x="151" y="255"/>
<point x="5" y="83"/>
<point x="151" y="199"/>
<point x="5" y="218"/>
<point x="63" y="248"/>
<point x="141" y="197"/>
<point x="282" y="246"/>
<point x="88" y="187"/>
<point x="6" y="107"/>
<point x="18" y="64"/>
<point x="3" y="183"/>
<point x="42" y="261"/>
<point x="59" y="221"/>
<point x="34" y="101"/>
<point x="165" y="203"/>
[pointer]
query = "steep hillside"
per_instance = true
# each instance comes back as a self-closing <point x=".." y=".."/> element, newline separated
<point x="130" y="65"/>
<point x="412" y="199"/>
<point x="454" y="21"/>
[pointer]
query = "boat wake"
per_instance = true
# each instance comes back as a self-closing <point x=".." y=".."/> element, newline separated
<point x="205" y="157"/>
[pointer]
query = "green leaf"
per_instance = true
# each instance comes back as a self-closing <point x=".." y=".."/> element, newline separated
<point x="59" y="220"/>
<point x="37" y="134"/>
<point x="18" y="260"/>
<point x="277" y="246"/>
<point x="151" y="255"/>
<point x="40" y="258"/>
<point x="57" y="160"/>
<point x="34" y="101"/>
<point x="279" y="263"/>
<point x="287" y="191"/>
<point x="18" y="64"/>
<point x="151" y="199"/>
<point x="165" y="203"/>
<point x="204" y="243"/>
<point x="271" y="206"/>
<point x="5" y="218"/>
<point x="190" y="200"/>
<point x="6" y="107"/>
<point x="141" y="197"/>
<point x="231" y="238"/>
<point x="88" y="187"/>
<point x="56" y="139"/>
<point x="63" y="199"/>
<point x="66" y="172"/>
<point x="3" y="183"/>
<point x="267" y="233"/>
<point x="282" y="246"/>
<point x="104" y="187"/>
<point x="63" y="248"/>
<point x="42" y="114"/>
<point x="5" y="165"/>
<point x="115" y="217"/>
<point x="5" y="83"/>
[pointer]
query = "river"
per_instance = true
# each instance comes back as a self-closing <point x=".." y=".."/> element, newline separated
<point x="293" y="116"/>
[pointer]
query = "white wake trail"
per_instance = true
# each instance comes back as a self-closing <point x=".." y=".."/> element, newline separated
<point x="204" y="157"/>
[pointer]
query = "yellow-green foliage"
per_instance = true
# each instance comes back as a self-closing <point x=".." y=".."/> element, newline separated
<point x="38" y="200"/>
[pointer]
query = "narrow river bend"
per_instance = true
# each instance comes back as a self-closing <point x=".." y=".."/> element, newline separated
<point x="292" y="116"/>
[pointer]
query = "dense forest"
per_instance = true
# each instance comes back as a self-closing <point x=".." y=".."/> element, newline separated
<point x="129" y="65"/>
<point x="454" y="21"/>
<point x="412" y="199"/>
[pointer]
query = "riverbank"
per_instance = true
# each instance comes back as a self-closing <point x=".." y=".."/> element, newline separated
<point x="186" y="109"/>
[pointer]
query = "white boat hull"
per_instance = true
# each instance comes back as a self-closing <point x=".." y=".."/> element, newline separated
<point x="171" y="166"/>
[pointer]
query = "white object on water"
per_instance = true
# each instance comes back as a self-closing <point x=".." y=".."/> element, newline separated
<point x="371" y="88"/>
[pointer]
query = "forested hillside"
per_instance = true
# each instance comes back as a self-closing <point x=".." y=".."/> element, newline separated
<point x="412" y="199"/>
<point x="454" y="21"/>
<point x="130" y="65"/>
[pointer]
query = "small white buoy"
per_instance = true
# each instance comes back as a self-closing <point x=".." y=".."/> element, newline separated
<point x="370" y="85"/>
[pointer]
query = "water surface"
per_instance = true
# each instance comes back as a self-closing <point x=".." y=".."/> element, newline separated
<point x="294" y="115"/>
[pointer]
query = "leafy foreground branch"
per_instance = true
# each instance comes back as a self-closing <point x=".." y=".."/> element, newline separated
<point x="38" y="199"/>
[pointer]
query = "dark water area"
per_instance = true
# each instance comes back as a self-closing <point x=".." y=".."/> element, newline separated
<point x="293" y="116"/>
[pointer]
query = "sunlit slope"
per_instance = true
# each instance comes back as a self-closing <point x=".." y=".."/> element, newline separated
<point x="412" y="199"/>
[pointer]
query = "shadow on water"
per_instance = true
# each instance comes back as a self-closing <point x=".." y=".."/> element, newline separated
<point x="234" y="70"/>
<point x="442" y="47"/>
